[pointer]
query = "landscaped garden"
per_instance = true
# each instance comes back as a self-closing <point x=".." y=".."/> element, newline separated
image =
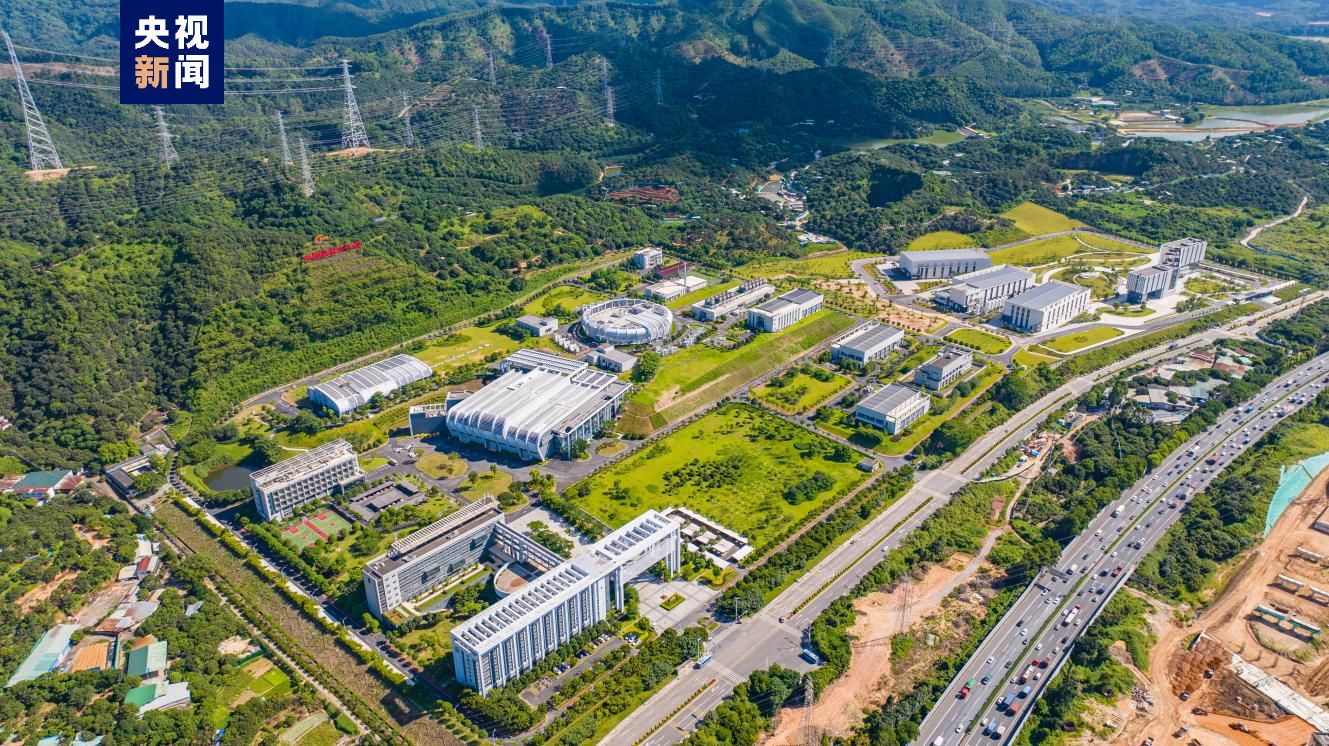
<point x="800" y="389"/>
<point x="1068" y="343"/>
<point x="977" y="339"/>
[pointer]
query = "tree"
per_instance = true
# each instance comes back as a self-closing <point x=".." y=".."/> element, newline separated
<point x="370" y="621"/>
<point x="580" y="448"/>
<point x="648" y="364"/>
<point x="306" y="423"/>
<point x="148" y="482"/>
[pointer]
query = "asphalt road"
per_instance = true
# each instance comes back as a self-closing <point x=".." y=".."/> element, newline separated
<point x="1062" y="601"/>
<point x="739" y="649"/>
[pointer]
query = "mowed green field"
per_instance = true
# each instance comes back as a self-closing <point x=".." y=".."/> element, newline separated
<point x="942" y="240"/>
<point x="800" y="393"/>
<point x="701" y="374"/>
<point x="985" y="342"/>
<point x="1037" y="220"/>
<point x="733" y="465"/>
<point x="1079" y="340"/>
<point x="1035" y="253"/>
<point x="831" y="266"/>
<point x="569" y="297"/>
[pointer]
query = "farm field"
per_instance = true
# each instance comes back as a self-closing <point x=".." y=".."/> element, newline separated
<point x="985" y="342"/>
<point x="798" y="391"/>
<point x="831" y="266"/>
<point x="734" y="465"/>
<point x="564" y="299"/>
<point x="699" y="375"/>
<point x="1037" y="220"/>
<point x="1068" y="343"/>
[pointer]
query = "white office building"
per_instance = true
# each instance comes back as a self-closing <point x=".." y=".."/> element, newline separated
<point x="983" y="291"/>
<point x="540" y="406"/>
<point x="537" y="326"/>
<point x="669" y="290"/>
<point x="1045" y="307"/>
<point x="1150" y="283"/>
<point x="509" y="638"/>
<point x="303" y="478"/>
<point x="647" y="258"/>
<point x="722" y="304"/>
<point x="867" y="344"/>
<point x="1184" y="253"/>
<point x="783" y="311"/>
<point x="942" y="263"/>
<point x="349" y="391"/>
<point x="893" y="408"/>
<point x="944" y="369"/>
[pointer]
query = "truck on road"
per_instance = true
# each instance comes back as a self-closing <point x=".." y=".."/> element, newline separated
<point x="968" y="687"/>
<point x="1070" y="616"/>
<point x="1118" y="510"/>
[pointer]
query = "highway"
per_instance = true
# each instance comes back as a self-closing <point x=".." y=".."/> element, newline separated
<point x="1061" y="602"/>
<point x="739" y="649"/>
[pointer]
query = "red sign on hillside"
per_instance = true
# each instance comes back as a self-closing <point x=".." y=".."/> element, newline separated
<point x="314" y="256"/>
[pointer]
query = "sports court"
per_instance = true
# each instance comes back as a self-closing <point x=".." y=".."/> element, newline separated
<point x="315" y="528"/>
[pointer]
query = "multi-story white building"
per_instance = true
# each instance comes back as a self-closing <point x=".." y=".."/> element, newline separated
<point x="509" y="638"/>
<point x="349" y="391"/>
<point x="942" y="263"/>
<point x="984" y="290"/>
<point x="944" y="369"/>
<point x="1150" y="283"/>
<point x="722" y="304"/>
<point x="783" y="311"/>
<point x="647" y="258"/>
<point x="893" y="408"/>
<point x="1183" y="253"/>
<point x="305" y="477"/>
<point x="537" y="326"/>
<point x="867" y="344"/>
<point x="1045" y="306"/>
<point x="541" y="406"/>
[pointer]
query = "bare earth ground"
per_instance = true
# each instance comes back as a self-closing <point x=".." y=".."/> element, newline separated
<point x="1228" y="627"/>
<point x="29" y="600"/>
<point x="891" y="313"/>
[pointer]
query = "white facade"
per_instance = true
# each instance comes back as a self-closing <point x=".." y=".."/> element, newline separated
<point x="537" y="326"/>
<point x="867" y="344"/>
<point x="509" y="638"/>
<point x="942" y="263"/>
<point x="626" y="321"/>
<point x="349" y="391"/>
<point x="781" y="312"/>
<point x="1045" y="307"/>
<point x="286" y="485"/>
<point x="1183" y="253"/>
<point x="982" y="291"/>
<point x="722" y="304"/>
<point x="1150" y="283"/>
<point x="674" y="289"/>
<point x="893" y="408"/>
<point x="944" y="369"/>
<point x="541" y="406"/>
<point x="647" y="258"/>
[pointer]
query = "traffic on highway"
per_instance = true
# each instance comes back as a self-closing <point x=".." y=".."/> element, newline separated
<point x="994" y="691"/>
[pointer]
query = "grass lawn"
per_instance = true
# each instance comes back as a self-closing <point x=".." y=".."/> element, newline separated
<point x="800" y="393"/>
<point x="1037" y="220"/>
<point x="1032" y="359"/>
<point x="611" y="448"/>
<point x="1207" y="286"/>
<point x="941" y="240"/>
<point x="733" y="465"/>
<point x="1125" y="312"/>
<point x="700" y="295"/>
<point x="326" y="734"/>
<point x="570" y="297"/>
<point x="985" y="342"/>
<point x="1068" y="343"/>
<point x="832" y="266"/>
<point x="370" y="463"/>
<point x="919" y="431"/>
<point x="441" y="465"/>
<point x="485" y="483"/>
<point x="10" y="466"/>
<point x="1109" y="245"/>
<point x="1100" y="286"/>
<point x="428" y="644"/>
<point x="470" y="345"/>
<point x="701" y="374"/>
<point x="1035" y="253"/>
<point x="671" y="603"/>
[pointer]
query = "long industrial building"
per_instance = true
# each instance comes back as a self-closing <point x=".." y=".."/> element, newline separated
<point x="867" y="344"/>
<point x="893" y="408"/>
<point x="541" y="406"/>
<point x="944" y="369"/>
<point x="350" y="391"/>
<point x="722" y="304"/>
<point x="1045" y="307"/>
<point x="286" y="485"/>
<point x="984" y="290"/>
<point x="942" y="263"/>
<point x="781" y="312"/>
<point x="509" y="638"/>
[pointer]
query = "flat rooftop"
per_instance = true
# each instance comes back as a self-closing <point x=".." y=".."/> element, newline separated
<point x="993" y="276"/>
<point x="889" y="398"/>
<point x="1044" y="295"/>
<point x="297" y="466"/>
<point x="434" y="535"/>
<point x="943" y="255"/>
<point x="870" y="336"/>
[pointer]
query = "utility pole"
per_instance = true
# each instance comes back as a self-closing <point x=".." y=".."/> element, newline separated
<point x="479" y="138"/>
<point x="353" y="133"/>
<point x="168" y="154"/>
<point x="41" y="150"/>
<point x="306" y="175"/>
<point x="281" y="137"/>
<point x="543" y="35"/>
<point x="406" y="120"/>
<point x="659" y="88"/>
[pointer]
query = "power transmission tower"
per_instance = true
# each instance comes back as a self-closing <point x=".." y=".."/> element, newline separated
<point x="353" y="133"/>
<point x="306" y="175"/>
<point x="493" y="71"/>
<point x="41" y="150"/>
<point x="659" y="88"/>
<point x="609" y="106"/>
<point x="169" y="155"/>
<point x="548" y="45"/>
<point x="809" y="730"/>
<point x="833" y="52"/>
<point x="281" y="136"/>
<point x="479" y="134"/>
<point x="906" y="605"/>
<point x="406" y="120"/>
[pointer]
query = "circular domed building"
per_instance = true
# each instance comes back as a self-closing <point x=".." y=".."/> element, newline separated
<point x="626" y="321"/>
